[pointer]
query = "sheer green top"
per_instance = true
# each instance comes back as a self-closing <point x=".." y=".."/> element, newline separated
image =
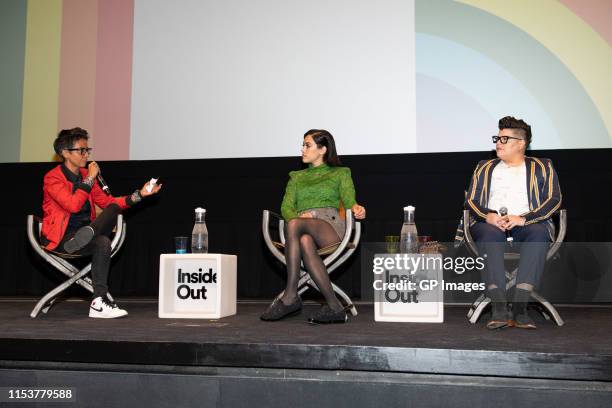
<point x="316" y="187"/>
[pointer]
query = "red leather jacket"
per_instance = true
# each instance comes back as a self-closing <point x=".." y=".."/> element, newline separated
<point x="59" y="202"/>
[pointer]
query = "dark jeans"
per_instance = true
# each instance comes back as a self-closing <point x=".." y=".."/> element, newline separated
<point x="531" y="241"/>
<point x="99" y="248"/>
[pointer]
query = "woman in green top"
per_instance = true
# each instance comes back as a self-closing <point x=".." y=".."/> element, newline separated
<point x="310" y="207"/>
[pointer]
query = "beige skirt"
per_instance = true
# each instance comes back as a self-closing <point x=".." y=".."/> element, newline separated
<point x="331" y="216"/>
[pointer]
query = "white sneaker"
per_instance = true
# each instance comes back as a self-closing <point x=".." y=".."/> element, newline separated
<point x="102" y="309"/>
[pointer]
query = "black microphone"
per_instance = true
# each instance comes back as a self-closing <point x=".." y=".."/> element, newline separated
<point x="503" y="212"/>
<point x="102" y="182"/>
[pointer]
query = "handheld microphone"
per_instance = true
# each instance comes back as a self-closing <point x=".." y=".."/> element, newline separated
<point x="102" y="182"/>
<point x="503" y="212"/>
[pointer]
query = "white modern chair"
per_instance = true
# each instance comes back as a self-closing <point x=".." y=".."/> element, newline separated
<point x="333" y="256"/>
<point x="61" y="262"/>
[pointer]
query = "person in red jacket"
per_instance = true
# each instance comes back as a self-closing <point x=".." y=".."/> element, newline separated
<point x="70" y="225"/>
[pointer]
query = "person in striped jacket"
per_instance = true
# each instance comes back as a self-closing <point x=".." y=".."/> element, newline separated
<point x="512" y="197"/>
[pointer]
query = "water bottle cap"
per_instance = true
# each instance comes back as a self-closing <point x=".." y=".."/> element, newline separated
<point x="409" y="208"/>
<point x="200" y="210"/>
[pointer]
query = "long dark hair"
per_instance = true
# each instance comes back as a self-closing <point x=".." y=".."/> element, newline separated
<point x="323" y="138"/>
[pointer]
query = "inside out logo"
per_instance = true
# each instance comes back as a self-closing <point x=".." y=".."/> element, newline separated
<point x="199" y="279"/>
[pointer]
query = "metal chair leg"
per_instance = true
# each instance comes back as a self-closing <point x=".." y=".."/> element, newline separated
<point x="343" y="296"/>
<point x="70" y="270"/>
<point x="550" y="309"/>
<point x="479" y="309"/>
<point x="347" y="300"/>
<point x="306" y="281"/>
<point x="50" y="297"/>
<point x="46" y="308"/>
<point x="511" y="278"/>
<point x="475" y="305"/>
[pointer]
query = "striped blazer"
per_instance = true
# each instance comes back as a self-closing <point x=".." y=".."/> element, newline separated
<point x="543" y="191"/>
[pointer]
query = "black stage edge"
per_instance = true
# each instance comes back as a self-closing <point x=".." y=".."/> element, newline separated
<point x="241" y="361"/>
<point x="580" y="350"/>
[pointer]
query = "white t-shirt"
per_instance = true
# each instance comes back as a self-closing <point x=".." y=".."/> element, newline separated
<point x="509" y="189"/>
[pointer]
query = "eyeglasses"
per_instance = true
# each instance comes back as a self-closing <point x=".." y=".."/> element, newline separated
<point x="504" y="139"/>
<point x="81" y="150"/>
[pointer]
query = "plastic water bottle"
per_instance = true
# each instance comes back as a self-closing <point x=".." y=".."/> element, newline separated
<point x="409" y="239"/>
<point x="199" y="235"/>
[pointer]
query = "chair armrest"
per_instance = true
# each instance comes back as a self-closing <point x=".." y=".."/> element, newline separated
<point x="265" y="229"/>
<point x="560" y="236"/>
<point x="348" y="232"/>
<point x="120" y="230"/>
<point x="562" y="226"/>
<point x="275" y="215"/>
<point x="467" y="235"/>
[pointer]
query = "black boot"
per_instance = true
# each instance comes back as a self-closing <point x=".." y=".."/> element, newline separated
<point x="521" y="318"/>
<point x="499" y="310"/>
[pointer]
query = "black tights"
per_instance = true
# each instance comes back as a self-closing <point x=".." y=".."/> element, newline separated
<point x="304" y="237"/>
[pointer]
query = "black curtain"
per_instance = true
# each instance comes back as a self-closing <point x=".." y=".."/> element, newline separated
<point x="235" y="191"/>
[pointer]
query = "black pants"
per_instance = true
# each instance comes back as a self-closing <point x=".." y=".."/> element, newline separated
<point x="532" y="241"/>
<point x="99" y="248"/>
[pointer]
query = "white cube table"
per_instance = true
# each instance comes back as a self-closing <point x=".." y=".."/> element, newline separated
<point x="425" y="304"/>
<point x="197" y="286"/>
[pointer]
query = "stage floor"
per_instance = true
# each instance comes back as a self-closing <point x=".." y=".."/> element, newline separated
<point x="580" y="350"/>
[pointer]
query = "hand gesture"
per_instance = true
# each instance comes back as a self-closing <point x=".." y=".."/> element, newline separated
<point x="496" y="220"/>
<point x="145" y="193"/>
<point x="358" y="211"/>
<point x="511" y="221"/>
<point x="93" y="170"/>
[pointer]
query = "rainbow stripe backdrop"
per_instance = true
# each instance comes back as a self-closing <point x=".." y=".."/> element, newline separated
<point x="68" y="63"/>
<point x="545" y="60"/>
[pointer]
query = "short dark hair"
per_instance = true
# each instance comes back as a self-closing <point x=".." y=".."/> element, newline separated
<point x="323" y="138"/>
<point x="510" y="122"/>
<point x="66" y="139"/>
